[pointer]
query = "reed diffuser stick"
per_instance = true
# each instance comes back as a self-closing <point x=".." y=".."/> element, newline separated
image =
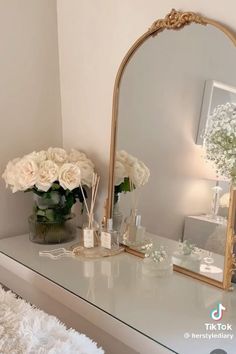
<point x="86" y="205"/>
<point x="95" y="183"/>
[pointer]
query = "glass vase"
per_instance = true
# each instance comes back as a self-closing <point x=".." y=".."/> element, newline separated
<point x="52" y="220"/>
<point x="117" y="215"/>
<point x="52" y="231"/>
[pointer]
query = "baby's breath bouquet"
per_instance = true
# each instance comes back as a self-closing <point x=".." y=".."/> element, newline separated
<point x="220" y="140"/>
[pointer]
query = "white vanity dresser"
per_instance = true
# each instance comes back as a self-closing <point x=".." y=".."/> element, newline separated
<point x="115" y="304"/>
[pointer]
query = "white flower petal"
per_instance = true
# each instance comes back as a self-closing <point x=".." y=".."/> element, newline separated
<point x="69" y="176"/>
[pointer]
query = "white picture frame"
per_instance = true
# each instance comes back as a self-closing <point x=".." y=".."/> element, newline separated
<point x="215" y="93"/>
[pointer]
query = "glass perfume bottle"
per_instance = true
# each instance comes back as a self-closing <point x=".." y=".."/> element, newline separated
<point x="139" y="229"/>
<point x="134" y="231"/>
<point x="109" y="237"/>
<point x="129" y="234"/>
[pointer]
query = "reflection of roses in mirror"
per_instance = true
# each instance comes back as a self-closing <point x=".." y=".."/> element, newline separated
<point x="220" y="140"/>
<point x="130" y="173"/>
<point x="48" y="172"/>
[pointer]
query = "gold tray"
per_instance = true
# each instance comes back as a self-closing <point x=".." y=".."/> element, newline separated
<point x="96" y="252"/>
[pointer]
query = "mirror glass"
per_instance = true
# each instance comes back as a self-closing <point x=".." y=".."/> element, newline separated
<point x="184" y="204"/>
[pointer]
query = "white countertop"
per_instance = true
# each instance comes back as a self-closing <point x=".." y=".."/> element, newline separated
<point x="163" y="309"/>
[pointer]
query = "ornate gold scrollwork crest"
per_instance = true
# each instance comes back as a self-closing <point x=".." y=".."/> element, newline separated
<point x="176" y="20"/>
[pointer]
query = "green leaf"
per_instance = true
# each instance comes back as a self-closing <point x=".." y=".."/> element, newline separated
<point x="40" y="212"/>
<point x="49" y="213"/>
<point x="55" y="186"/>
<point x="124" y="187"/>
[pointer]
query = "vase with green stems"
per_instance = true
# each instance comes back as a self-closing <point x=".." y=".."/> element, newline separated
<point x="118" y="217"/>
<point x="52" y="220"/>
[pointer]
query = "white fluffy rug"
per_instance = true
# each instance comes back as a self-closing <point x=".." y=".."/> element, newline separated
<point x="27" y="330"/>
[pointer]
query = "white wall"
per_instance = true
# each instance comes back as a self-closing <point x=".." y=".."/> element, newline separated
<point x="94" y="36"/>
<point x="30" y="110"/>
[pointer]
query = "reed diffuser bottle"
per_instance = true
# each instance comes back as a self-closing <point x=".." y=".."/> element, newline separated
<point x="91" y="227"/>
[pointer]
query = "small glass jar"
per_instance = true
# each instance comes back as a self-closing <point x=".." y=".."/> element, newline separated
<point x="157" y="263"/>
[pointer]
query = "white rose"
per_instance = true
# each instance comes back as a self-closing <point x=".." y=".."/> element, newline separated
<point x="125" y="158"/>
<point x="69" y="176"/>
<point x="47" y="174"/>
<point x="87" y="169"/>
<point x="41" y="156"/>
<point x="31" y="156"/>
<point x="75" y="156"/>
<point x="38" y="157"/>
<point x="26" y="173"/>
<point x="10" y="175"/>
<point x="57" y="155"/>
<point x="120" y="172"/>
<point x="139" y="173"/>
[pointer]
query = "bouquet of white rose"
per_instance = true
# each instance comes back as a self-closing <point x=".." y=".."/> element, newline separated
<point x="130" y="173"/>
<point x="220" y="140"/>
<point x="56" y="178"/>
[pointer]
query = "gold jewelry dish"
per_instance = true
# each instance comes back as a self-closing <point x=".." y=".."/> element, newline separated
<point x="174" y="24"/>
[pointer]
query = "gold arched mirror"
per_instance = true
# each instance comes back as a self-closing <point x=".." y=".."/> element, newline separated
<point x="166" y="91"/>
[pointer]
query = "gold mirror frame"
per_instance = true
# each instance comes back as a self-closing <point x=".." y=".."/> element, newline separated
<point x="175" y="20"/>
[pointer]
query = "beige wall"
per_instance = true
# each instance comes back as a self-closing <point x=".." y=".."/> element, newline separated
<point x="94" y="36"/>
<point x="29" y="94"/>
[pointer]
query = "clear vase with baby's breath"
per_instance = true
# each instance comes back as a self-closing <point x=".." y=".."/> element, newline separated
<point x="220" y="141"/>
